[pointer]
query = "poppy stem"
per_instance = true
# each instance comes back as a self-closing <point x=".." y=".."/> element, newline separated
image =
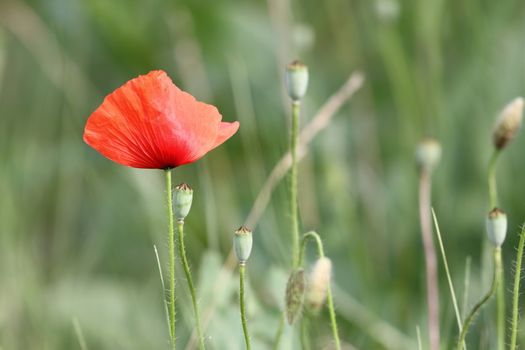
<point x="242" y="267"/>
<point x="329" y="299"/>
<point x="189" y="280"/>
<point x="500" y="293"/>
<point x="483" y="301"/>
<point x="171" y="263"/>
<point x="294" y="138"/>
<point x="516" y="293"/>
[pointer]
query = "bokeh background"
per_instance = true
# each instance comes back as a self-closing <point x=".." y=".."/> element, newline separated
<point x="77" y="231"/>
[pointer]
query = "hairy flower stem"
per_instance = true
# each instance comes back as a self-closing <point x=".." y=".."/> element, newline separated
<point x="189" y="280"/>
<point x="294" y="216"/>
<point x="493" y="191"/>
<point x="171" y="263"/>
<point x="425" y="187"/>
<point x="483" y="301"/>
<point x="329" y="299"/>
<point x="516" y="291"/>
<point x="500" y="293"/>
<point x="242" y="267"/>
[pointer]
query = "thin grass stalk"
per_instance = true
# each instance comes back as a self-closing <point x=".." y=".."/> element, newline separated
<point x="483" y="301"/>
<point x="516" y="291"/>
<point x="447" y="271"/>
<point x="425" y="184"/>
<point x="171" y="262"/>
<point x="329" y="299"/>
<point x="242" y="267"/>
<point x="163" y="286"/>
<point x="189" y="280"/>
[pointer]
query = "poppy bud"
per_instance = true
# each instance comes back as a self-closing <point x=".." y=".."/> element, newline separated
<point x="508" y="123"/>
<point x="242" y="244"/>
<point x="318" y="283"/>
<point x="182" y="198"/>
<point x="296" y="80"/>
<point x="428" y="154"/>
<point x="294" y="298"/>
<point x="496" y="226"/>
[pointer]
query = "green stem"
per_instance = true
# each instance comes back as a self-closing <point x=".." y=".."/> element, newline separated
<point x="182" y="252"/>
<point x="500" y="293"/>
<point x="493" y="191"/>
<point x="294" y="136"/>
<point x="329" y="299"/>
<point x="483" y="301"/>
<point x="243" y="307"/>
<point x="516" y="295"/>
<point x="500" y="306"/>
<point x="279" y="333"/>
<point x="171" y="263"/>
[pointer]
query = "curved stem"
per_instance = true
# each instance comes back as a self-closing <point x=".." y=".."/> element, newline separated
<point x="329" y="299"/>
<point x="500" y="293"/>
<point x="516" y="292"/>
<point x="491" y="176"/>
<point x="243" y="307"/>
<point x="483" y="301"/>
<point x="294" y="138"/>
<point x="171" y="263"/>
<point x="182" y="252"/>
<point x="425" y="183"/>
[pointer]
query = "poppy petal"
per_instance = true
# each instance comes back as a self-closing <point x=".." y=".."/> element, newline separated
<point x="150" y="123"/>
<point x="226" y="130"/>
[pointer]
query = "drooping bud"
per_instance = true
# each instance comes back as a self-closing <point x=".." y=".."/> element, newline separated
<point x="318" y="283"/>
<point x="508" y="123"/>
<point x="496" y="226"/>
<point x="294" y="298"/>
<point x="242" y="244"/>
<point x="296" y="79"/>
<point x="182" y="198"/>
<point x="428" y="154"/>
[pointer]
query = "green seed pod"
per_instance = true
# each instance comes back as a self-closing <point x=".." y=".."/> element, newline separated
<point x="182" y="198"/>
<point x="295" y="291"/>
<point x="428" y="154"/>
<point x="496" y="226"/>
<point x="296" y="79"/>
<point x="242" y="244"/>
<point x="318" y="283"/>
<point x="508" y="123"/>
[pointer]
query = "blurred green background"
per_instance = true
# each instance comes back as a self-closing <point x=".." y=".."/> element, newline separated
<point x="77" y="231"/>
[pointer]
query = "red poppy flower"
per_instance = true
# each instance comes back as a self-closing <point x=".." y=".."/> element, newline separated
<point x="150" y="123"/>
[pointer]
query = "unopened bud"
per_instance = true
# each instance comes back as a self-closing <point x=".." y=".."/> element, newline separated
<point x="294" y="299"/>
<point x="428" y="154"/>
<point x="296" y="80"/>
<point x="242" y="244"/>
<point x="318" y="283"/>
<point x="496" y="226"/>
<point x="182" y="198"/>
<point x="508" y="123"/>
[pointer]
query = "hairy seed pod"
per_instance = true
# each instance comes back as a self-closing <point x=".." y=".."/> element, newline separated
<point x="295" y="290"/>
<point x="296" y="80"/>
<point x="242" y="244"/>
<point x="182" y="199"/>
<point x="318" y="283"/>
<point x="496" y="226"/>
<point x="428" y="154"/>
<point x="508" y="123"/>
